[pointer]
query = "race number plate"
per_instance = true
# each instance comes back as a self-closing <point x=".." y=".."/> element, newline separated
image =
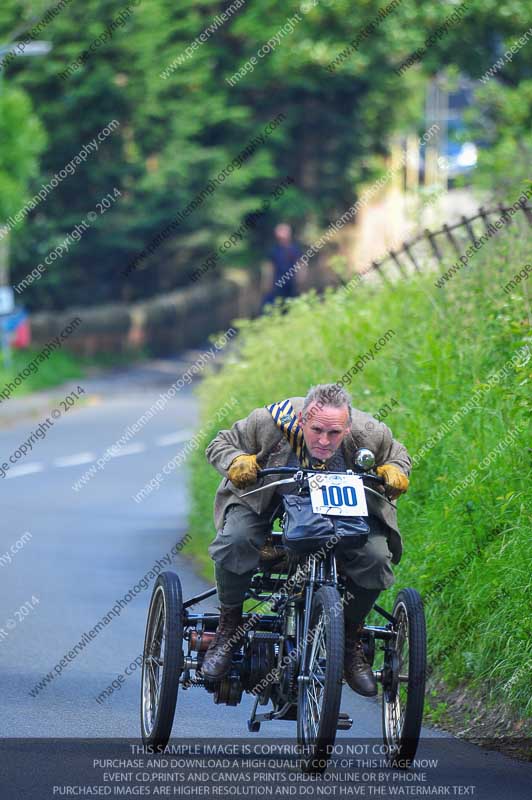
<point x="337" y="493"/>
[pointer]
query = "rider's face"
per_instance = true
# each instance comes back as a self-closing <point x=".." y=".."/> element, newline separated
<point x="323" y="429"/>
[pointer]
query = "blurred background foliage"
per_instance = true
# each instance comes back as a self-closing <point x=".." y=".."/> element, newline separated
<point x="177" y="132"/>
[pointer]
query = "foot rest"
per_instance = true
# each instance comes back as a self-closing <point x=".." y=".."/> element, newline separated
<point x="270" y="556"/>
<point x="345" y="722"/>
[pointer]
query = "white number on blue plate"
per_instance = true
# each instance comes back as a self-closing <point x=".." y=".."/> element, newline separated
<point x="338" y="494"/>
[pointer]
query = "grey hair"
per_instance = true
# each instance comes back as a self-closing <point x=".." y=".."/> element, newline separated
<point x="328" y="394"/>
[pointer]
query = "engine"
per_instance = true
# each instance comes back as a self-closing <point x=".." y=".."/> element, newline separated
<point x="252" y="665"/>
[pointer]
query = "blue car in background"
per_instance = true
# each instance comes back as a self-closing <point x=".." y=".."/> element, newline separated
<point x="460" y="156"/>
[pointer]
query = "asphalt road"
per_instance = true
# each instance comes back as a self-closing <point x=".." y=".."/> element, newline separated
<point x="67" y="556"/>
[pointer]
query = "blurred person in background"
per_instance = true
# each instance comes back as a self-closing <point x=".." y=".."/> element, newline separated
<point x="282" y="257"/>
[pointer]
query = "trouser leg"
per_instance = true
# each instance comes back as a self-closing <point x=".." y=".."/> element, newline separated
<point x="370" y="566"/>
<point x="231" y="586"/>
<point x="235" y="551"/>
<point x="367" y="570"/>
<point x="360" y="603"/>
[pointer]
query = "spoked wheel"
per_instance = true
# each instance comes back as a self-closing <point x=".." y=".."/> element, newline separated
<point x="404" y="680"/>
<point x="162" y="660"/>
<point x="319" y="698"/>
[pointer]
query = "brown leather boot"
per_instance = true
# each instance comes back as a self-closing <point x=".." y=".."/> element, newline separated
<point x="357" y="670"/>
<point x="219" y="655"/>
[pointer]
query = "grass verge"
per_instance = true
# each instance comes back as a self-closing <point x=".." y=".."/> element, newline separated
<point x="62" y="366"/>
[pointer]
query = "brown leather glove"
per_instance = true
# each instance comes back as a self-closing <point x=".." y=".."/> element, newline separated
<point x="243" y="471"/>
<point x="395" y="481"/>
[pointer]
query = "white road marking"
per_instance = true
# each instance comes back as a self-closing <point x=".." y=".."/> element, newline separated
<point x="173" y="438"/>
<point x="129" y="450"/>
<point x="87" y="457"/>
<point x="73" y="461"/>
<point x="26" y="469"/>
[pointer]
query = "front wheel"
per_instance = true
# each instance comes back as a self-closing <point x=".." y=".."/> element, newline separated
<point x="404" y="680"/>
<point x="162" y="660"/>
<point x="319" y="696"/>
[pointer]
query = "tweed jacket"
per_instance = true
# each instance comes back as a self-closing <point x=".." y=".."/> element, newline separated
<point x="257" y="434"/>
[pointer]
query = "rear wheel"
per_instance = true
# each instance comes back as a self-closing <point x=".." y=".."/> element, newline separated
<point x="319" y="697"/>
<point x="162" y="660"/>
<point x="404" y="680"/>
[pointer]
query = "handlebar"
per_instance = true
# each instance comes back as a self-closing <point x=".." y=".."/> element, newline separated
<point x="292" y="471"/>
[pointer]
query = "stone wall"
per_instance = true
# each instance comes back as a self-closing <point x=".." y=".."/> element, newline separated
<point x="164" y="325"/>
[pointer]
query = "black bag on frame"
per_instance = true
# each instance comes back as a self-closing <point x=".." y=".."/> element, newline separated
<point x="305" y="531"/>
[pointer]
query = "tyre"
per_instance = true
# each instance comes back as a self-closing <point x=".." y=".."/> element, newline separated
<point x="319" y="698"/>
<point x="162" y="660"/>
<point x="404" y="680"/>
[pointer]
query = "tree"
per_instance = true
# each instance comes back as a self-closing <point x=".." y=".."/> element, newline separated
<point x="166" y="72"/>
<point x="23" y="140"/>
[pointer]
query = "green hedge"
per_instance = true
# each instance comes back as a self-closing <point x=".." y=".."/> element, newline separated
<point x="469" y="554"/>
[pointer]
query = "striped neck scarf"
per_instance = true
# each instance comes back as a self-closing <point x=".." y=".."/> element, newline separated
<point x="285" y="418"/>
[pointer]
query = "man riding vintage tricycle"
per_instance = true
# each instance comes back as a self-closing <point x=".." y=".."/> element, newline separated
<point x="308" y="462"/>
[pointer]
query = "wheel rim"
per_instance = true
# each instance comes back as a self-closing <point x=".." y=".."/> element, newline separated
<point x="152" y="666"/>
<point x="395" y="707"/>
<point x="314" y="688"/>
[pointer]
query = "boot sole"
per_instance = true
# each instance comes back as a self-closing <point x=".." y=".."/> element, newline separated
<point x="208" y="676"/>
<point x="361" y="693"/>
